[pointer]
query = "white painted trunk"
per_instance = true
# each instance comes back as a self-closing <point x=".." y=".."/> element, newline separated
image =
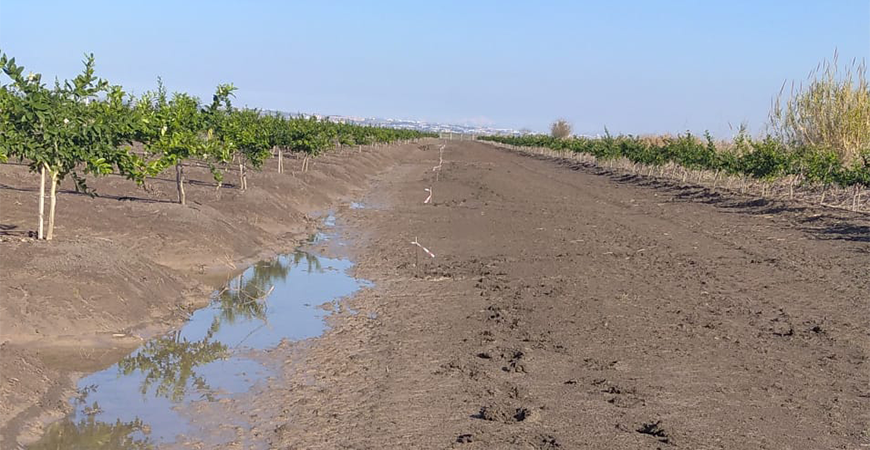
<point x="40" y="233"/>
<point x="50" y="232"/>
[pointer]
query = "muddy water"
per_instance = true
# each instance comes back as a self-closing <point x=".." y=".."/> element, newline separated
<point x="134" y="404"/>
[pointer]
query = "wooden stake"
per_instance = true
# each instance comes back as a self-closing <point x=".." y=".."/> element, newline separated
<point x="50" y="233"/>
<point x="39" y="233"/>
<point x="179" y="183"/>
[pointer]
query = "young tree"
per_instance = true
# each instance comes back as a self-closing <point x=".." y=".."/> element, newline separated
<point x="280" y="137"/>
<point x="308" y="137"/>
<point x="245" y="131"/>
<point x="58" y="129"/>
<point x="175" y="130"/>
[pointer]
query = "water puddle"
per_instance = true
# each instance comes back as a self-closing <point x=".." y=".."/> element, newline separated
<point x="133" y="404"/>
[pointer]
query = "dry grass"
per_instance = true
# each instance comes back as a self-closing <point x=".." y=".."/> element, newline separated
<point x="830" y="112"/>
<point x="560" y="129"/>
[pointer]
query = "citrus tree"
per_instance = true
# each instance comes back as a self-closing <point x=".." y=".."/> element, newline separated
<point x="246" y="132"/>
<point x="243" y="133"/>
<point x="175" y="130"/>
<point x="57" y="130"/>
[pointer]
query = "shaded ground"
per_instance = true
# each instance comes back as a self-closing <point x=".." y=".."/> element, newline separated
<point x="569" y="307"/>
<point x="131" y="263"/>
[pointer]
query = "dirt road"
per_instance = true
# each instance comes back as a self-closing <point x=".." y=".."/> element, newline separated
<point x="568" y="307"/>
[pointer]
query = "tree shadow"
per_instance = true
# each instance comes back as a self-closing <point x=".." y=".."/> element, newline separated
<point x="17" y="163"/>
<point x="6" y="187"/>
<point x="844" y="231"/>
<point x="211" y="184"/>
<point x="12" y="230"/>
<point x="821" y="223"/>
<point x="130" y="198"/>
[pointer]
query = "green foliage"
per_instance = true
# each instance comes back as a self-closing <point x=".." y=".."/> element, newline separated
<point x="764" y="159"/>
<point x="174" y="130"/>
<point x="86" y="126"/>
<point x="75" y="124"/>
<point x="246" y="132"/>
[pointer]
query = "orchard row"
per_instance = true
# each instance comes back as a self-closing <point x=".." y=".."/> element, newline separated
<point x="766" y="160"/>
<point x="89" y="127"/>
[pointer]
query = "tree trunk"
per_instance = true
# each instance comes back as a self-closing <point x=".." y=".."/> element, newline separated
<point x="39" y="233"/>
<point x="50" y="232"/>
<point x="179" y="183"/>
<point x="715" y="179"/>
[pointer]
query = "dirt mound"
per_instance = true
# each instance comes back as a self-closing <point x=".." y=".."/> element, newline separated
<point x="130" y="262"/>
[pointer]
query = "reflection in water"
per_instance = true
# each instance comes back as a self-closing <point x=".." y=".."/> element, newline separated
<point x="170" y="363"/>
<point x="90" y="433"/>
<point x="134" y="404"/>
<point x="244" y="297"/>
<point x="312" y="261"/>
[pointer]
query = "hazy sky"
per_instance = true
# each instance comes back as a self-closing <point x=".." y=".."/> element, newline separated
<point x="635" y="66"/>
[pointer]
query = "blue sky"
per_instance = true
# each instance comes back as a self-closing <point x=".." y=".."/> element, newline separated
<point x="634" y="66"/>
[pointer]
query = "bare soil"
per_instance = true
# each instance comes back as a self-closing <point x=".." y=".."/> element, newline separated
<point x="572" y="307"/>
<point x="131" y="263"/>
<point x="567" y="307"/>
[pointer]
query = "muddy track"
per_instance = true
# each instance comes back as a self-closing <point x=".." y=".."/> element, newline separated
<point x="571" y="307"/>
